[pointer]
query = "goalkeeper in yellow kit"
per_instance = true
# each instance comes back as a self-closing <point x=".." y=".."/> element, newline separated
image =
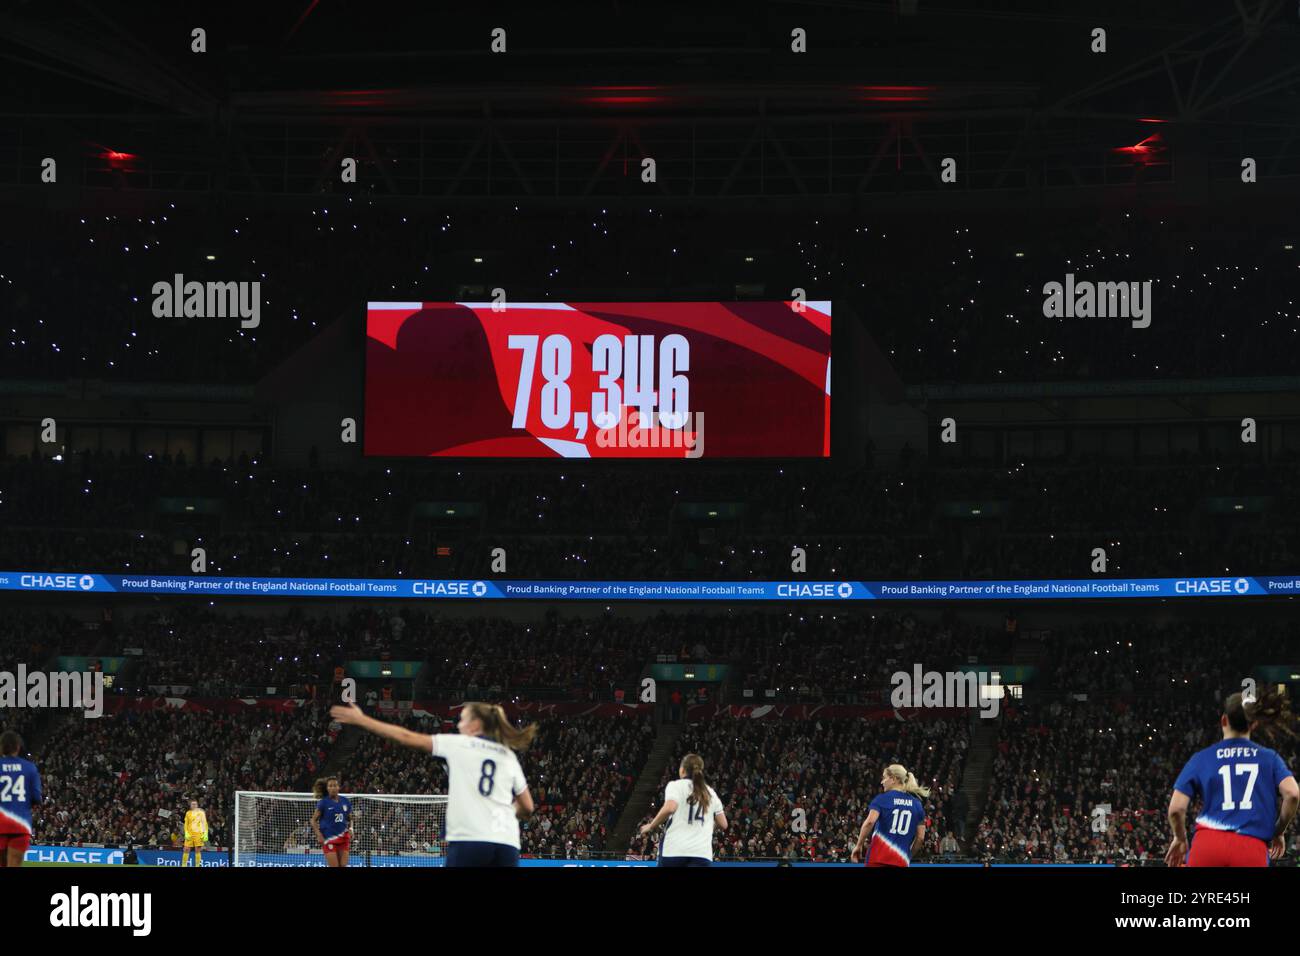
<point x="196" y="834"/>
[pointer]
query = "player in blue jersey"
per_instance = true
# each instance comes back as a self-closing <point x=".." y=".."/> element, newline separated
<point x="20" y="790"/>
<point x="332" y="821"/>
<point x="895" y="822"/>
<point x="1238" y="782"/>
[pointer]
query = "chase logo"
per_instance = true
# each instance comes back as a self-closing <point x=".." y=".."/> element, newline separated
<point x="54" y="582"/>
<point x="440" y="588"/>
<point x="479" y="589"/>
<point x="1210" y="586"/>
<point x="845" y="589"/>
<point x="66" y="855"/>
<point x="805" y="590"/>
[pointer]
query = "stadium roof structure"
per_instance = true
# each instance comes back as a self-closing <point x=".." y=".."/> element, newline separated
<point x="714" y="95"/>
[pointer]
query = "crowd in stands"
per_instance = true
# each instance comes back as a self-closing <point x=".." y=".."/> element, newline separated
<point x="557" y="657"/>
<point x="193" y="649"/>
<point x="1057" y="764"/>
<point x="962" y="302"/>
<point x="196" y="649"/>
<point x="1082" y="764"/>
<point x="1084" y="774"/>
<point x="1250" y="549"/>
<point x="580" y="770"/>
<point x="127" y="778"/>
<point x="97" y="512"/>
<point x="103" y="489"/>
<point x="799" y="789"/>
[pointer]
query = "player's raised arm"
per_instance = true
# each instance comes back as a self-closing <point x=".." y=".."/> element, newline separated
<point x="352" y="714"/>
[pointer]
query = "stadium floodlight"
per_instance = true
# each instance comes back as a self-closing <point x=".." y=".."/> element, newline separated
<point x="274" y="829"/>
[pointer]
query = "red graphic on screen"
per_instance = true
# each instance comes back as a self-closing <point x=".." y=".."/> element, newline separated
<point x="576" y="380"/>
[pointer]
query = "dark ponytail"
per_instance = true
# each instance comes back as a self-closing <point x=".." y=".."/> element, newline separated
<point x="321" y="787"/>
<point x="1267" y="714"/>
<point x="693" y="764"/>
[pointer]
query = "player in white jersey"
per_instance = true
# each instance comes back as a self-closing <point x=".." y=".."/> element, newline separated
<point x="693" y="810"/>
<point x="487" y="794"/>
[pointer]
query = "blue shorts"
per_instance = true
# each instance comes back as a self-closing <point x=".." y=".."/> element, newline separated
<point x="684" y="861"/>
<point x="474" y="853"/>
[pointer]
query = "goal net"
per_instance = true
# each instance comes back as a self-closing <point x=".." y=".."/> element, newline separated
<point x="274" y="829"/>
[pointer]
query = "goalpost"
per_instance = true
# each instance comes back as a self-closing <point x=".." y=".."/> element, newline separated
<point x="274" y="829"/>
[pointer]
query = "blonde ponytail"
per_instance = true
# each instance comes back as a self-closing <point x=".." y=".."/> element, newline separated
<point x="906" y="781"/>
<point x="497" y="726"/>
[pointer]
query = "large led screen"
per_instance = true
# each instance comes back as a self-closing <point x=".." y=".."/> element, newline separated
<point x="598" y="379"/>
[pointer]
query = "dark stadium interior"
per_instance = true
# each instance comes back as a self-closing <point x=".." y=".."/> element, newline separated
<point x="128" y="441"/>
